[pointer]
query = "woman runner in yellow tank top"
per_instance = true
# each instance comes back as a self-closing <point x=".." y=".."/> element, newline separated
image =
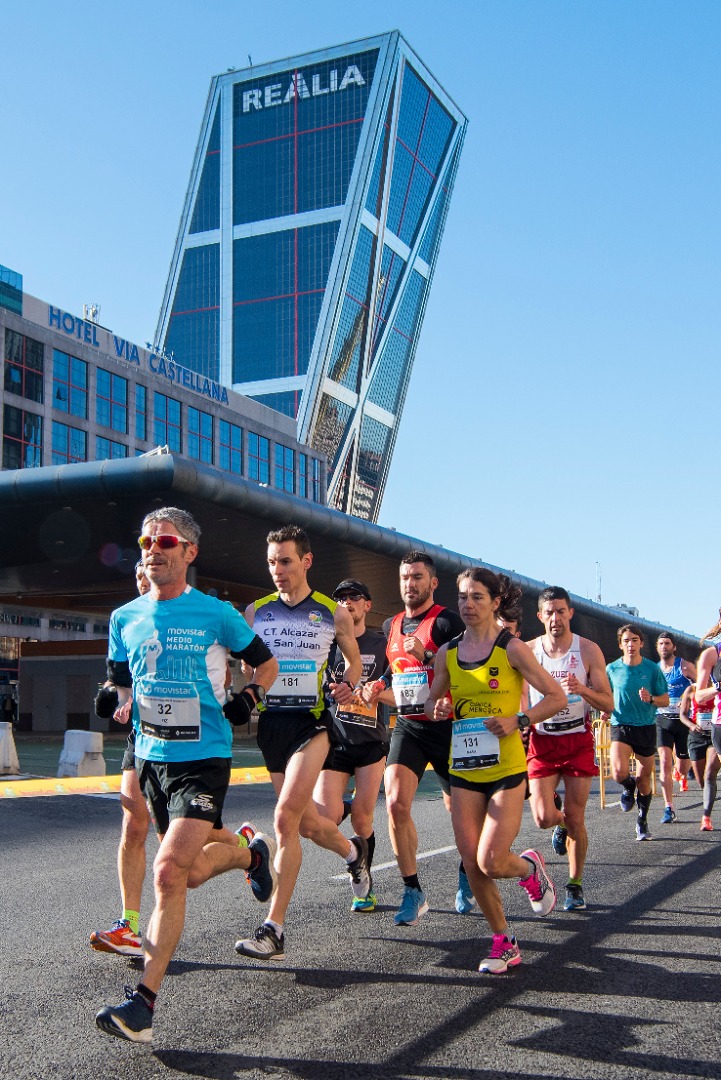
<point x="478" y="682"/>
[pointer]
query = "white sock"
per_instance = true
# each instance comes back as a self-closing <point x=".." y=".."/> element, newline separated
<point x="277" y="927"/>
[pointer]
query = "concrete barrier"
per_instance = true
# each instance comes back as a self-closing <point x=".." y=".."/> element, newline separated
<point x="82" y="754"/>
<point x="9" y="764"/>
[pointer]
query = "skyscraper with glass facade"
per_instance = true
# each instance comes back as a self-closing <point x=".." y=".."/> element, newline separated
<point x="308" y="241"/>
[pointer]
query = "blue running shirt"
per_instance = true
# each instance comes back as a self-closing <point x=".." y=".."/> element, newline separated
<point x="177" y="651"/>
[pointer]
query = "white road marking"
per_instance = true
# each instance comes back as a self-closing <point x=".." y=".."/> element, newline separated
<point x="389" y="865"/>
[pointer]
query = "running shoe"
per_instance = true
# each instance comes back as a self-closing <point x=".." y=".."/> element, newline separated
<point x="575" y="900"/>
<point x="465" y="901"/>
<point x="559" y="840"/>
<point x="706" y="824"/>
<point x="676" y="773"/>
<point x="364" y="903"/>
<point x="413" y="907"/>
<point x="683" y="783"/>
<point x="245" y="832"/>
<point x="263" y="880"/>
<point x="669" y="816"/>
<point x="118" y="939"/>
<point x="264" y="944"/>
<point x="628" y="797"/>
<point x="541" y="890"/>
<point x="557" y="801"/>
<point x="132" y="1020"/>
<point x="504" y="954"/>
<point x="642" y="831"/>
<point x="360" y="875"/>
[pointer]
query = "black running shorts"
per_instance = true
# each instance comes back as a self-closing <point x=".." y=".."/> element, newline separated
<point x="418" y="743"/>
<point x="184" y="789"/>
<point x="640" y="737"/>
<point x="348" y="757"/>
<point x="282" y="734"/>
<point x="128" y="761"/>
<point x="673" y="735"/>
<point x="698" y="744"/>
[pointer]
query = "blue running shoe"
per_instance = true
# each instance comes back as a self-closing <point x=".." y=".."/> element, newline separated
<point x="559" y="840"/>
<point x="133" y="1020"/>
<point x="465" y="901"/>
<point x="628" y="797"/>
<point x="575" y="900"/>
<point x="642" y="831"/>
<point x="413" y="906"/>
<point x="669" y="816"/>
<point x="263" y="880"/>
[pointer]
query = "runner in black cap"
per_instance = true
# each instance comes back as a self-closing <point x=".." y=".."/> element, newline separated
<point x="362" y="730"/>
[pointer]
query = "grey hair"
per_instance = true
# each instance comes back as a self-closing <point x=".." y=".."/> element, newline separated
<point x="184" y="522"/>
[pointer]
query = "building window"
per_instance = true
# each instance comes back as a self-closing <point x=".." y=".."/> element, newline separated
<point x="111" y="408"/>
<point x="69" y="444"/>
<point x="22" y="439"/>
<point x="70" y="384"/>
<point x="315" y="494"/>
<point x="106" y="449"/>
<point x="231" y="447"/>
<point x="258" y="458"/>
<point x="24" y="366"/>
<point x="284" y="469"/>
<point x="200" y="436"/>
<point x="303" y="475"/>
<point x="141" y="411"/>
<point x="166" y="422"/>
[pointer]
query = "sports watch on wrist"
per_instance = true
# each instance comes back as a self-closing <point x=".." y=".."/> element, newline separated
<point x="428" y="656"/>
<point x="524" y="722"/>
<point x="257" y="690"/>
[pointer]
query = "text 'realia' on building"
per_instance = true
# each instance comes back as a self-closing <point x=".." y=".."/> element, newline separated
<point x="307" y="245"/>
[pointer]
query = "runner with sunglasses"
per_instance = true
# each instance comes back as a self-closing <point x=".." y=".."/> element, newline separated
<point x="477" y="687"/>
<point x="167" y="656"/>
<point x="362" y="730"/>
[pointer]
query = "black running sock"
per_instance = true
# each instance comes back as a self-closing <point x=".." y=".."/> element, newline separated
<point x="709" y="795"/>
<point x="147" y="995"/>
<point x="644" y="805"/>
<point x="371" y="842"/>
<point x="412" y="882"/>
<point x="629" y="783"/>
<point x="461" y="868"/>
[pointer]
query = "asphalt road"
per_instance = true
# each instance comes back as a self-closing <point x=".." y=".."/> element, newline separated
<point x="626" y="990"/>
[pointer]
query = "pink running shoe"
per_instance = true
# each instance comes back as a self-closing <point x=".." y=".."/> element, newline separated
<point x="504" y="954"/>
<point x="541" y="890"/>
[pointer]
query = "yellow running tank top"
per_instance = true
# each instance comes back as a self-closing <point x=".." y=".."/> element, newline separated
<point x="490" y="688"/>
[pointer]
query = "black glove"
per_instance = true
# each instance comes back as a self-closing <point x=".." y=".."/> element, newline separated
<point x="239" y="708"/>
<point x="106" y="702"/>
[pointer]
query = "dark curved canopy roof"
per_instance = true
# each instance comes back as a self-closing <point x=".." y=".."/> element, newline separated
<point x="68" y="541"/>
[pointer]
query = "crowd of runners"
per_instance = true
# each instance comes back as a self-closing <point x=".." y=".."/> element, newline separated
<point x="499" y="720"/>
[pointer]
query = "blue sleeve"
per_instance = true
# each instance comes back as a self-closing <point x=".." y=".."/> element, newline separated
<point x="116" y="645"/>
<point x="237" y="632"/>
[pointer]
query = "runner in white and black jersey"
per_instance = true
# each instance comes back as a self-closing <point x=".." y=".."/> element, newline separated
<point x="362" y="732"/>
<point x="562" y="748"/>
<point x="295" y="730"/>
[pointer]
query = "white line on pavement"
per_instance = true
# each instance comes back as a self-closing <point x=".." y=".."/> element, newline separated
<point x="388" y="865"/>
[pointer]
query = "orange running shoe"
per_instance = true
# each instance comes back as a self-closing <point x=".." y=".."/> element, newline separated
<point x="119" y="939"/>
<point x="706" y="824"/>
<point x="676" y="774"/>
<point x="683" y="783"/>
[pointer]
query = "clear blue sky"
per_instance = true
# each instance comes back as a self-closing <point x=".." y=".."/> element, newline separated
<point x="564" y="396"/>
